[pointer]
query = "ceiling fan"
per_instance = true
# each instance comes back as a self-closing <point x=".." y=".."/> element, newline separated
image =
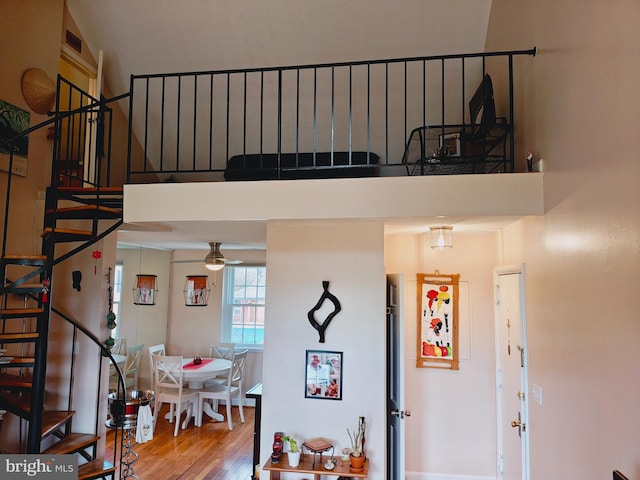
<point x="214" y="260"/>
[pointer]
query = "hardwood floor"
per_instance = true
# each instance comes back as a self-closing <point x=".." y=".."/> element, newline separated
<point x="210" y="452"/>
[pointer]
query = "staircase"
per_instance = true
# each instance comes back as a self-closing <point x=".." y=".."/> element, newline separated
<point x="79" y="211"/>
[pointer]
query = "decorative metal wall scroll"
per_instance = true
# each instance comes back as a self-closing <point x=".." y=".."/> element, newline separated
<point x="321" y="327"/>
<point x="437" y="343"/>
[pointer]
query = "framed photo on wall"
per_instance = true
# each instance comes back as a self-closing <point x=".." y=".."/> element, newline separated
<point x="437" y="336"/>
<point x="323" y="377"/>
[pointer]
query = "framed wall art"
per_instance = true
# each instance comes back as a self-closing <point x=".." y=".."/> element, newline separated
<point x="437" y="336"/>
<point x="144" y="290"/>
<point x="196" y="291"/>
<point x="323" y="377"/>
<point x="14" y="120"/>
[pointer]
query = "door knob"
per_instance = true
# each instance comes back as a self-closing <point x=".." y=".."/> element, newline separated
<point x="515" y="424"/>
<point x="395" y="413"/>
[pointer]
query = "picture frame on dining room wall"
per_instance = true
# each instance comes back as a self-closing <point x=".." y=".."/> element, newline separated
<point x="144" y="290"/>
<point x="437" y="323"/>
<point x="323" y="378"/>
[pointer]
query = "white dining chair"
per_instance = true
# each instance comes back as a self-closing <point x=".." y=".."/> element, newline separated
<point x="169" y="389"/>
<point x="226" y="391"/>
<point x="132" y="367"/>
<point x="119" y="346"/>
<point x="154" y="350"/>
<point x="221" y="350"/>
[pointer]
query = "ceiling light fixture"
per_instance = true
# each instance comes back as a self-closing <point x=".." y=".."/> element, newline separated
<point x="214" y="259"/>
<point x="441" y="236"/>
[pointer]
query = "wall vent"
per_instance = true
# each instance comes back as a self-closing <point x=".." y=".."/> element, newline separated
<point x="73" y="41"/>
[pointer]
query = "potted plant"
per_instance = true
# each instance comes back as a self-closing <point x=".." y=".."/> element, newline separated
<point x="357" y="445"/>
<point x="294" y="451"/>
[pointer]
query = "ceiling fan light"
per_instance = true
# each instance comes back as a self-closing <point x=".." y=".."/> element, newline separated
<point x="215" y="265"/>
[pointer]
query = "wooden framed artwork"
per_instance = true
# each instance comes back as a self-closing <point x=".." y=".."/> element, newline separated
<point x="437" y="336"/>
<point x="323" y="377"/>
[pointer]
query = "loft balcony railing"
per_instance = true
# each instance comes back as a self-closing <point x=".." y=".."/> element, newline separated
<point x="192" y="126"/>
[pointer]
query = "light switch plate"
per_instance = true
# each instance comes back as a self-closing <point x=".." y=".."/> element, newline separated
<point x="536" y="393"/>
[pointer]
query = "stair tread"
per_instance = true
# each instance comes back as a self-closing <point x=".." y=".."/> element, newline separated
<point x="91" y="190"/>
<point x="19" y="362"/>
<point x="15" y="402"/>
<point x="71" y="443"/>
<point x="24" y="286"/>
<point x="83" y="208"/>
<point x="53" y="420"/>
<point x="25" y="259"/>
<point x="68" y="231"/>
<point x="95" y="469"/>
<point x="18" y="337"/>
<point x="21" y="312"/>
<point x="15" y="381"/>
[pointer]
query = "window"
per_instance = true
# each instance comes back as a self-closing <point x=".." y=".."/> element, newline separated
<point x="117" y="297"/>
<point x="243" y="297"/>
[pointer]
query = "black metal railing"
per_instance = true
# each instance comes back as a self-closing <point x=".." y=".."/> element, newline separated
<point x="200" y="125"/>
<point x="91" y="394"/>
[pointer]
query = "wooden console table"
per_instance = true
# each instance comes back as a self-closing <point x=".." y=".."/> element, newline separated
<point x="341" y="469"/>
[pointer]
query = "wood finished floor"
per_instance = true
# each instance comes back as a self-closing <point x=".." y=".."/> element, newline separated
<point x="210" y="452"/>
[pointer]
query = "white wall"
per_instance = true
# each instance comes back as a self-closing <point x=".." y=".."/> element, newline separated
<point x="144" y="324"/>
<point x="452" y="428"/>
<point x="582" y="258"/>
<point x="300" y="256"/>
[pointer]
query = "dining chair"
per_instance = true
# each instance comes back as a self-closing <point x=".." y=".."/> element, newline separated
<point x="132" y="367"/>
<point x="232" y="388"/>
<point x="119" y="346"/>
<point x="221" y="350"/>
<point x="154" y="350"/>
<point x="169" y="389"/>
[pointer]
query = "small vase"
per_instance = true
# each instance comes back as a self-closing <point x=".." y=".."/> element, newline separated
<point x="357" y="463"/>
<point x="294" y="458"/>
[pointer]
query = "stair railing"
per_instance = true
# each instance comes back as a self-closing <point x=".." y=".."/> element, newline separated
<point x="191" y="124"/>
<point x="100" y="395"/>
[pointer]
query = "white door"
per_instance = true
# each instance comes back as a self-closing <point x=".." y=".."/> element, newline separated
<point x="511" y="374"/>
<point x="395" y="380"/>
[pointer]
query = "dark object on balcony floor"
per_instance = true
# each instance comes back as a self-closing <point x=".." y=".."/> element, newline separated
<point x="302" y="165"/>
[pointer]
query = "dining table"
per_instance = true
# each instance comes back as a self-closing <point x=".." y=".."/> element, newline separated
<point x="195" y="375"/>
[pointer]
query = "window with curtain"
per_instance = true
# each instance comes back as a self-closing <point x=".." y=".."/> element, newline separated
<point x="243" y="304"/>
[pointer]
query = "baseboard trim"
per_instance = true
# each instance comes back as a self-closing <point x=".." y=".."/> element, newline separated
<point x="443" y="476"/>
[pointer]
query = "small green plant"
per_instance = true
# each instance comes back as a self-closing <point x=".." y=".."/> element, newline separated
<point x="293" y="443"/>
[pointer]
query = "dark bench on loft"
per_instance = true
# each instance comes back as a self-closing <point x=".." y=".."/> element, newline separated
<point x="479" y="147"/>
